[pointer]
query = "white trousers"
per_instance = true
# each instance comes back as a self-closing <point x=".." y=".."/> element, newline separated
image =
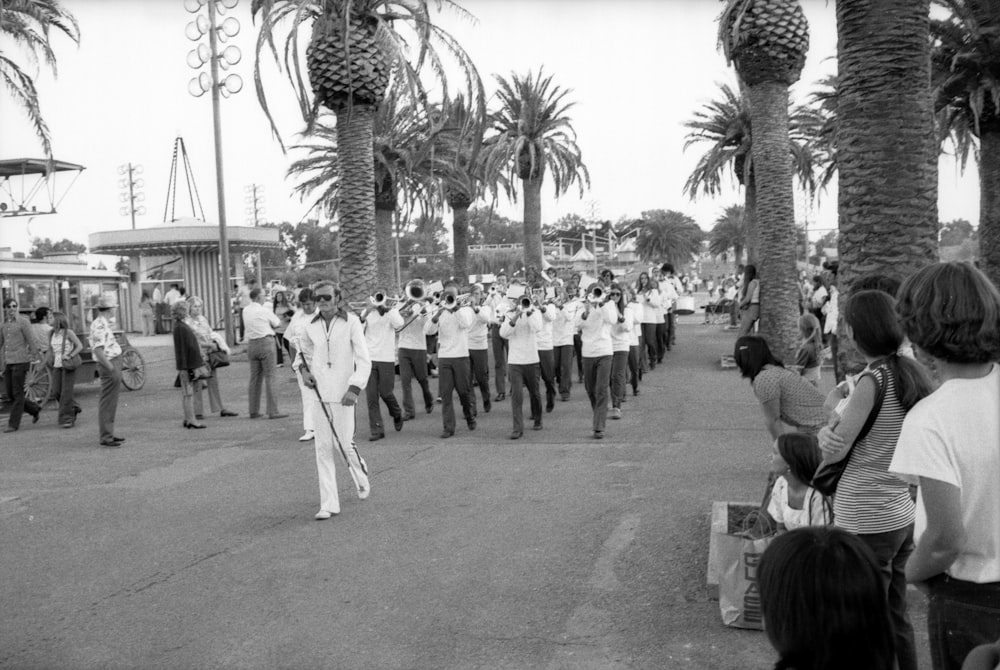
<point x="327" y="451"/>
<point x="308" y="406"/>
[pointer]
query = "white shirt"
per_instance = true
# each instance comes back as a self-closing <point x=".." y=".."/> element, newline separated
<point x="595" y="330"/>
<point x="544" y="338"/>
<point x="564" y="325"/>
<point x="479" y="330"/>
<point x="411" y="333"/>
<point x="636" y="323"/>
<point x="670" y="289"/>
<point x="652" y="306"/>
<point x="813" y="513"/>
<point x="832" y="311"/>
<point x="452" y="330"/>
<point x="259" y="321"/>
<point x="296" y="327"/>
<point x="621" y="333"/>
<point x="953" y="436"/>
<point x="523" y="347"/>
<point x="172" y="297"/>
<point x="380" y="335"/>
<point x="337" y="355"/>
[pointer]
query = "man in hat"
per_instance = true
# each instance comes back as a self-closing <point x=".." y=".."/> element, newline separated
<point x="108" y="354"/>
<point x="18" y="348"/>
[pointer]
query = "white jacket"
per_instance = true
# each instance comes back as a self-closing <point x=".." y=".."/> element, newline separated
<point x="337" y="355"/>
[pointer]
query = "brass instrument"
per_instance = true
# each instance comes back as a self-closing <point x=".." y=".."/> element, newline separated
<point x="525" y="303"/>
<point x="597" y="296"/>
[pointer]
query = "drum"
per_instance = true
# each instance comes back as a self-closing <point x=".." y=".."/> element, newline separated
<point x="685" y="305"/>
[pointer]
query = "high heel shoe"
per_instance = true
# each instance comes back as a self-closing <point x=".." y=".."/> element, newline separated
<point x="188" y="424"/>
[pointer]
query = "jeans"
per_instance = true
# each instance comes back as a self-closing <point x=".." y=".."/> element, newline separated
<point x="262" y="355"/>
<point x="500" y="347"/>
<point x="479" y="362"/>
<point x="453" y="374"/>
<point x="663" y="337"/>
<point x="893" y="549"/>
<point x="63" y="381"/>
<point x="960" y="615"/>
<point x="597" y="381"/>
<point x="381" y="381"/>
<point x="748" y="317"/>
<point x="634" y="370"/>
<point x="547" y="367"/>
<point x="564" y="369"/>
<point x="413" y="365"/>
<point x="107" y="407"/>
<point x="14" y="388"/>
<point x="619" y="367"/>
<point x="522" y="375"/>
<point x="652" y="344"/>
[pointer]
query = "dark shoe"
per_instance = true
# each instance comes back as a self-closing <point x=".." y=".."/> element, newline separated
<point x="471" y="423"/>
<point x="376" y="437"/>
<point x="277" y="416"/>
<point x="226" y="412"/>
<point x="550" y="403"/>
<point x="537" y="426"/>
<point x="500" y="397"/>
<point x="188" y="424"/>
<point x="487" y="405"/>
<point x="598" y="434"/>
<point x="409" y="417"/>
<point x="10" y="429"/>
<point x="516" y="435"/>
<point x="117" y="439"/>
<point x="446" y="434"/>
<point x="635" y="391"/>
<point x="254" y="415"/>
<point x="429" y="407"/>
<point x="34" y="416"/>
<point x="564" y="397"/>
<point x="199" y="416"/>
<point x="111" y="443"/>
<point x="77" y="409"/>
<point x="397" y="422"/>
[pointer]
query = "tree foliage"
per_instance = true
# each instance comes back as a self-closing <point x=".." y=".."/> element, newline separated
<point x="956" y="232"/>
<point x="41" y="247"/>
<point x="667" y="235"/>
<point x="729" y="233"/>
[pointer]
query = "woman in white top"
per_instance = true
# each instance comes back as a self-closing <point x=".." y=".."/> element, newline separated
<point x="652" y="313"/>
<point x="63" y="345"/>
<point x="621" y="341"/>
<point x="595" y="321"/>
<point x="950" y="441"/>
<point x="635" y="344"/>
<point x="209" y="341"/>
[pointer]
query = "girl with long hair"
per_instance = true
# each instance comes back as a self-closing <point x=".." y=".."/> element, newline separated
<point x="63" y="345"/>
<point x="749" y="300"/>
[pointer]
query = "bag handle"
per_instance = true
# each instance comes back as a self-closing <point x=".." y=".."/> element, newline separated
<point x="879" y="399"/>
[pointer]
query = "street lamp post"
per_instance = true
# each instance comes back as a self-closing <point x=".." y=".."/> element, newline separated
<point x="210" y="82"/>
<point x="593" y="227"/>
<point x="131" y="182"/>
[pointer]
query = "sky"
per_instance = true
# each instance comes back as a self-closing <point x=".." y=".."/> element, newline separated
<point x="637" y="70"/>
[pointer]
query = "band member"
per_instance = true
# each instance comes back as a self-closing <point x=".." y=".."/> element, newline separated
<point x="413" y="349"/>
<point x="451" y="322"/>
<point x="635" y="345"/>
<point x="562" y="341"/>
<point x="546" y="357"/>
<point x="499" y="305"/>
<point x="519" y="328"/>
<point x="381" y="323"/>
<point x="301" y="319"/>
<point x="595" y="321"/>
<point x="652" y="314"/>
<point x="479" y="359"/>
<point x="333" y="347"/>
<point x="671" y="289"/>
<point x="621" y="340"/>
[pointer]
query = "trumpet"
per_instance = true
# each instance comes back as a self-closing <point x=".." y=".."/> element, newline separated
<point x="597" y="295"/>
<point x="380" y="299"/>
<point x="525" y="303"/>
<point x="453" y="302"/>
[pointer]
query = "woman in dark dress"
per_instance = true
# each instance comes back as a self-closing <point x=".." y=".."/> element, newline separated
<point x="191" y="368"/>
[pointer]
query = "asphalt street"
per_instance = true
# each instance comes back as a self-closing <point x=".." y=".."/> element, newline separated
<point x="198" y="548"/>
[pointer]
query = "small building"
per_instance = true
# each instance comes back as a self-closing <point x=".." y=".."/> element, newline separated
<point x="184" y="252"/>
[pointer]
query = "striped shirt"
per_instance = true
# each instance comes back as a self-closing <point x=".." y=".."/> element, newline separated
<point x="870" y="500"/>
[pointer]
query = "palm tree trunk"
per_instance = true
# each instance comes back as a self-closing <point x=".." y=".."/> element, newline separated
<point x="357" y="206"/>
<point x="460" y="237"/>
<point x="886" y="146"/>
<point x="753" y="232"/>
<point x="989" y="202"/>
<point x="776" y="216"/>
<point x="533" y="223"/>
<point x="385" y="248"/>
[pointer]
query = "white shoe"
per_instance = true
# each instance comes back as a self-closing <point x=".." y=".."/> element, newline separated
<point x="306" y="436"/>
<point x="616" y="413"/>
<point x="323" y="515"/>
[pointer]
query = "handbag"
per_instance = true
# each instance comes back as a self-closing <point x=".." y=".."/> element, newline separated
<point x="71" y="363"/>
<point x="218" y="358"/>
<point x="828" y="474"/>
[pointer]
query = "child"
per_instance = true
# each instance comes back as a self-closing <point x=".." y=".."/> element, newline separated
<point x="795" y="504"/>
<point x="809" y="355"/>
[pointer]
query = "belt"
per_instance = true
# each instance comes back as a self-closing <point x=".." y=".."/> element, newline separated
<point x="266" y="337"/>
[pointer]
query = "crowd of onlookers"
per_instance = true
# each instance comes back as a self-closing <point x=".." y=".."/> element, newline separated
<point x="891" y="478"/>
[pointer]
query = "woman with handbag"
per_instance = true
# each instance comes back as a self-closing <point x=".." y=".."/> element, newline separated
<point x="214" y="351"/>
<point x="191" y="367"/>
<point x="64" y="359"/>
<point x="870" y="502"/>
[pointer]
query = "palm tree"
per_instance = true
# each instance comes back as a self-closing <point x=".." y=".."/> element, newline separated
<point x="666" y="235"/>
<point x="353" y="47"/>
<point x="818" y="126"/>
<point x="724" y="124"/>
<point x="966" y="70"/>
<point x="767" y="40"/>
<point x="729" y="232"/>
<point x="532" y="132"/>
<point x="29" y="24"/>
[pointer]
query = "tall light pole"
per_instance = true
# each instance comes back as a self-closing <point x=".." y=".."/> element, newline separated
<point x="210" y="82"/>
<point x="132" y="182"/>
<point x="593" y="227"/>
<point x="255" y="211"/>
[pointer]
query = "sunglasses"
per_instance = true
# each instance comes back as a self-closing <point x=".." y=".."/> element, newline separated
<point x="12" y="305"/>
<point x="323" y="297"/>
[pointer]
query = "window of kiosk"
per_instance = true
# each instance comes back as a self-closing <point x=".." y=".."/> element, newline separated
<point x="32" y="294"/>
<point x="90" y="293"/>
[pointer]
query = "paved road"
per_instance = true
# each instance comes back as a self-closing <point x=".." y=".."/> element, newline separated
<point x="187" y="549"/>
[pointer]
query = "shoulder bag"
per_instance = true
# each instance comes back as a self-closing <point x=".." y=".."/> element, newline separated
<point x="217" y="358"/>
<point x="828" y="474"/>
<point x="72" y="362"/>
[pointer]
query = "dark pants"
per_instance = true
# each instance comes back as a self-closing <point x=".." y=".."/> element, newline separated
<point x="13" y="381"/>
<point x="500" y="346"/>
<point x="892" y="549"/>
<point x="619" y="368"/>
<point x="262" y="354"/>
<point x="479" y="362"/>
<point x="520" y="376"/>
<point x="597" y="381"/>
<point x="960" y="615"/>
<point x="671" y="325"/>
<point x="413" y="365"/>
<point x="279" y="345"/>
<point x="381" y="380"/>
<point x="652" y="344"/>
<point x="453" y="375"/>
<point x="564" y="369"/>
<point x="634" y="371"/>
<point x="107" y="407"/>
<point x="62" y="389"/>
<point x="578" y="351"/>
<point x="662" y="339"/>
<point x="547" y="366"/>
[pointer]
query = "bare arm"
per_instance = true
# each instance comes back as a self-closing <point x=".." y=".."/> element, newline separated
<point x="944" y="537"/>
<point x="836" y="439"/>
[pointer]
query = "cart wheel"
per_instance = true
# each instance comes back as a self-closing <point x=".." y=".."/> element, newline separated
<point x="133" y="370"/>
<point x="38" y="383"/>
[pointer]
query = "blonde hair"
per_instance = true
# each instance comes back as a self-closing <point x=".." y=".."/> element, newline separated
<point x="810" y="329"/>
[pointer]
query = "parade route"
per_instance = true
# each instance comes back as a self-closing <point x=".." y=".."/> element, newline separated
<point x="198" y="548"/>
